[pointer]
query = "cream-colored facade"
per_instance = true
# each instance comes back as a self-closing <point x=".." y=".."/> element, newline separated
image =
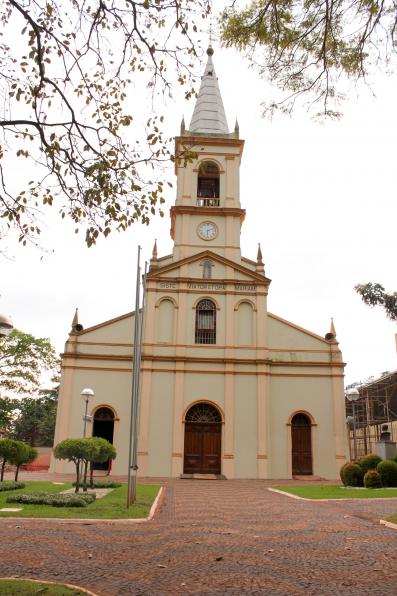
<point x="264" y="376"/>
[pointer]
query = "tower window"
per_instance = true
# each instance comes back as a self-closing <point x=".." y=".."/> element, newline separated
<point x="205" y="332"/>
<point x="207" y="270"/>
<point x="208" y="185"/>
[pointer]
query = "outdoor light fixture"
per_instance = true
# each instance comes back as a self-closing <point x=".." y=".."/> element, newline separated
<point x="6" y="325"/>
<point x="353" y="395"/>
<point x="86" y="394"/>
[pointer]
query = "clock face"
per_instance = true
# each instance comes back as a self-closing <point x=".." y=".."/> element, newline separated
<point x="207" y="230"/>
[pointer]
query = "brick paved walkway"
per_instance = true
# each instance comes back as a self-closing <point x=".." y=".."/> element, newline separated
<point x="216" y="537"/>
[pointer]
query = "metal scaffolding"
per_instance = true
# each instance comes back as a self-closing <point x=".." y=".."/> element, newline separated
<point x="377" y="405"/>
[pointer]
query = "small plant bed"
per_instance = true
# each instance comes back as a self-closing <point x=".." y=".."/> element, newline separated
<point x="112" y="506"/>
<point x="392" y="518"/>
<point x="330" y="491"/>
<point x="11" y="485"/>
<point x="104" y="484"/>
<point x="25" y="587"/>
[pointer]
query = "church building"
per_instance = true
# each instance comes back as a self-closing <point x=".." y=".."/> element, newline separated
<point x="227" y="388"/>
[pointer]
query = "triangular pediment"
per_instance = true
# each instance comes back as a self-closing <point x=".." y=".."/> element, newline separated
<point x="172" y="270"/>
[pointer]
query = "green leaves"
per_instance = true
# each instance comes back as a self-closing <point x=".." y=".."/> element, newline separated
<point x="373" y="294"/>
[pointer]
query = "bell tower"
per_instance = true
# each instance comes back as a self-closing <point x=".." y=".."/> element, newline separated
<point x="207" y="214"/>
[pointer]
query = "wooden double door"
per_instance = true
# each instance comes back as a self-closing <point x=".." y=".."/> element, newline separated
<point x="302" y="459"/>
<point x="202" y="448"/>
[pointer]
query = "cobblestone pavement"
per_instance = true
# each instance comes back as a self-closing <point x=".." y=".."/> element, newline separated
<point x="216" y="537"/>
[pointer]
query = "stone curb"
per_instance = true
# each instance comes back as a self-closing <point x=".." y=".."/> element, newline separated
<point x="281" y="492"/>
<point x="90" y="520"/>
<point x="388" y="524"/>
<point x="43" y="581"/>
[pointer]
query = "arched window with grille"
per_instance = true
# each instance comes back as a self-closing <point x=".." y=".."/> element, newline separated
<point x="205" y="332"/>
<point x="208" y="184"/>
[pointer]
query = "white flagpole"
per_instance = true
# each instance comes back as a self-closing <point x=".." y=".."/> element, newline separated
<point x="134" y="394"/>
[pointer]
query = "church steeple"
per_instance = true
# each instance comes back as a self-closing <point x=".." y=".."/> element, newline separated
<point x="209" y="114"/>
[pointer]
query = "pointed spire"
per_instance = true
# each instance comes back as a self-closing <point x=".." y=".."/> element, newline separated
<point x="332" y="328"/>
<point x="331" y="335"/>
<point x="153" y="261"/>
<point x="209" y="114"/>
<point x="76" y="326"/>
<point x="183" y="126"/>
<point x="237" y="130"/>
<point x="75" y="318"/>
<point x="260" y="267"/>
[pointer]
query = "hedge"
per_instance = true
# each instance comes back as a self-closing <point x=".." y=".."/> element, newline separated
<point x="11" y="485"/>
<point x="352" y="475"/>
<point x="56" y="500"/>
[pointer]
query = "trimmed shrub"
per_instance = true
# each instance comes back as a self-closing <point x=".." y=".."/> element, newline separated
<point x="369" y="462"/>
<point x="56" y="500"/>
<point x="352" y="475"/>
<point x="372" y="479"/>
<point x="394" y="458"/>
<point x="11" y="485"/>
<point x="104" y="484"/>
<point x="388" y="472"/>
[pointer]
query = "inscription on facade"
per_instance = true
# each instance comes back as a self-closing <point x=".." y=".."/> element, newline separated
<point x="245" y="288"/>
<point x="193" y="286"/>
<point x="167" y="284"/>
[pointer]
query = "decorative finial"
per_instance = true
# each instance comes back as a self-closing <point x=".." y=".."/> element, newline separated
<point x="259" y="254"/>
<point x="236" y="129"/>
<point x="260" y="267"/>
<point x="332" y="328"/>
<point x="183" y="126"/>
<point x="76" y="327"/>
<point x="331" y="335"/>
<point x="153" y="261"/>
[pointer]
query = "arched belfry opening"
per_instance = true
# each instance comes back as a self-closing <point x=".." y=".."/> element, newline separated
<point x="301" y="434"/>
<point x="208" y="184"/>
<point x="103" y="426"/>
<point x="203" y="440"/>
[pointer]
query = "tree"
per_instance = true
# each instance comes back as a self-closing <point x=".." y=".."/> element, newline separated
<point x="7" y="409"/>
<point x="373" y="294"/>
<point x="35" y="421"/>
<point x="74" y="450"/>
<point x="23" y="359"/>
<point x="21" y="454"/>
<point x="312" y="49"/>
<point x="83" y="452"/>
<point x="69" y="86"/>
<point x="7" y="449"/>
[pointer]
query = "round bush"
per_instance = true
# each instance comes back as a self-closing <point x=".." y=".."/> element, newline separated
<point x="372" y="479"/>
<point x="388" y="472"/>
<point x="369" y="462"/>
<point x="341" y="472"/>
<point x="352" y="475"/>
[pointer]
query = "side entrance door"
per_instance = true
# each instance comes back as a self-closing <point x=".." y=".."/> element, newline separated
<point x="302" y="461"/>
<point x="202" y="448"/>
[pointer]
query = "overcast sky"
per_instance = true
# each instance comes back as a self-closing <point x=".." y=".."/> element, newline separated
<point x="321" y="199"/>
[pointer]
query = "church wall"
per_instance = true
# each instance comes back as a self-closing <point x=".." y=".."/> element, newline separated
<point x="161" y="424"/>
<point x="211" y="390"/>
<point x="112" y="389"/>
<point x="116" y="330"/>
<point x="245" y="427"/>
<point x="314" y="397"/>
<point x="284" y="335"/>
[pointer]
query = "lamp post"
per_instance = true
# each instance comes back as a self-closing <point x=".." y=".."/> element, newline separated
<point x="6" y="325"/>
<point x="353" y="395"/>
<point x="86" y="394"/>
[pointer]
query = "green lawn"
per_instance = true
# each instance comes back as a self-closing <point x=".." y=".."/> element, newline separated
<point x="392" y="518"/>
<point x="113" y="506"/>
<point x="328" y="491"/>
<point x="24" y="587"/>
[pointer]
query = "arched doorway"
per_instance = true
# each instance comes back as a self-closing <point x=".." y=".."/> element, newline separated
<point x="103" y="427"/>
<point x="302" y="458"/>
<point x="203" y="440"/>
